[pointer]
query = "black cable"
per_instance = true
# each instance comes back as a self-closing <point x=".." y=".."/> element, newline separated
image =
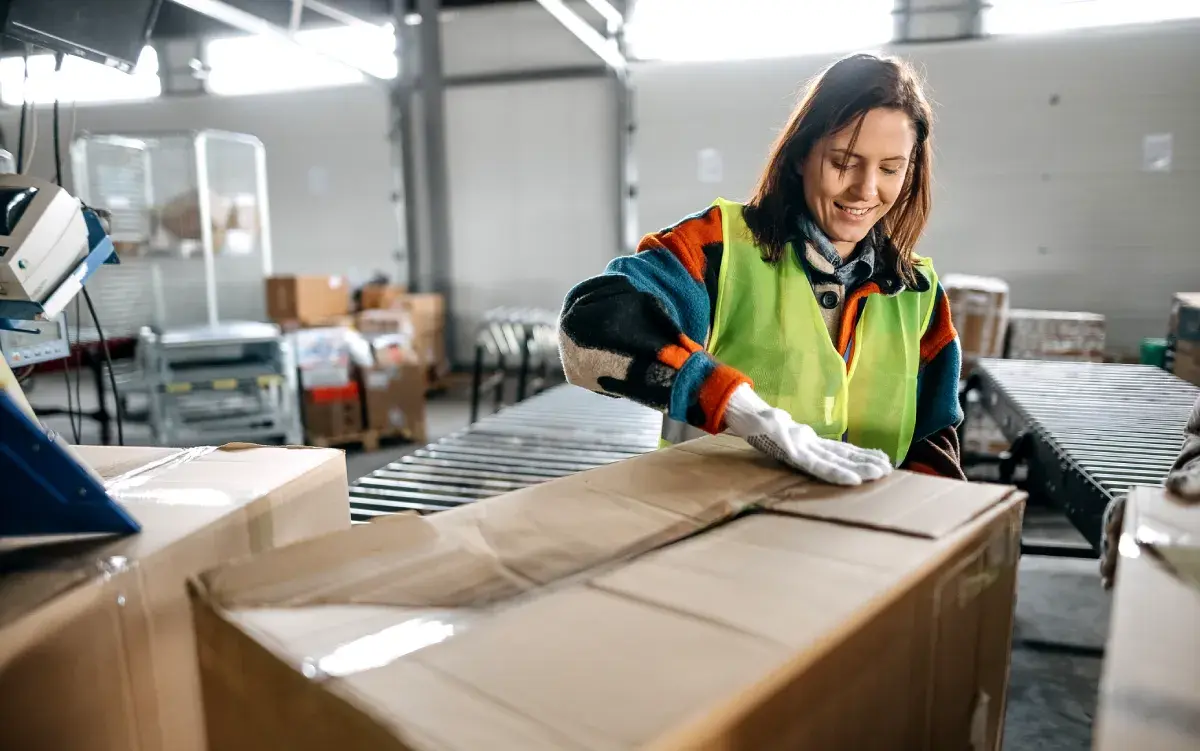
<point x="79" y="363"/>
<point x="24" y="114"/>
<point x="58" y="62"/>
<point x="112" y="379"/>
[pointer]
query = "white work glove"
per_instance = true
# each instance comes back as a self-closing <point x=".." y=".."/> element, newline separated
<point x="774" y="432"/>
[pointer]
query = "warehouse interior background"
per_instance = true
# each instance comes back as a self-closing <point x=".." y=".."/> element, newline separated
<point x="1040" y="175"/>
<point x="502" y="160"/>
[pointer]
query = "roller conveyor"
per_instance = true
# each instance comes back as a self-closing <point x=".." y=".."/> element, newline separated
<point x="559" y="432"/>
<point x="1087" y="432"/>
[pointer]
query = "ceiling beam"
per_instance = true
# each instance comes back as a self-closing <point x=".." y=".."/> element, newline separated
<point x="606" y="48"/>
<point x="241" y="20"/>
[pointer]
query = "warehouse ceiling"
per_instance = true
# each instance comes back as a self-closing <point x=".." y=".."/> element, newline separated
<point x="175" y="21"/>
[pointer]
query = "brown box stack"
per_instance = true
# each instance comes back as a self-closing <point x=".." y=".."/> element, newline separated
<point x="307" y="300"/>
<point x="381" y="296"/>
<point x="1150" y="689"/>
<point x="427" y="315"/>
<point x="333" y="412"/>
<point x="394" y="400"/>
<point x="1055" y="335"/>
<point x="1183" y="337"/>
<point x="696" y="597"/>
<point x="97" y="649"/>
<point x="979" y="309"/>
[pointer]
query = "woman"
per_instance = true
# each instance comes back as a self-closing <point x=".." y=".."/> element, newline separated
<point x="827" y="343"/>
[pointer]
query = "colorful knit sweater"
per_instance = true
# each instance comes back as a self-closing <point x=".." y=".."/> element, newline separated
<point x="635" y="332"/>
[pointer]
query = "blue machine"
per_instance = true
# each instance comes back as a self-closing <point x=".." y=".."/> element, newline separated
<point x="50" y="244"/>
<point x="46" y="492"/>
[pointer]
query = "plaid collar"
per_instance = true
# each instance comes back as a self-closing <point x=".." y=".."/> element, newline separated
<point x="872" y="261"/>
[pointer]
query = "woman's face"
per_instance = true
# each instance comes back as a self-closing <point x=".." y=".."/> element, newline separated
<point x="848" y="192"/>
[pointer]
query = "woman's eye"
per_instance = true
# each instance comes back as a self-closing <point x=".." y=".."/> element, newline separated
<point x="888" y="171"/>
<point x="842" y="166"/>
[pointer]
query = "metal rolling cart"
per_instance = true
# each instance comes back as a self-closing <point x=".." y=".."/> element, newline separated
<point x="1085" y="432"/>
<point x="214" y="384"/>
<point x="523" y="342"/>
<point x="559" y="432"/>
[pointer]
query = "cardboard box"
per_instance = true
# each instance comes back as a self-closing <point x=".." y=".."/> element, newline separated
<point x="323" y="356"/>
<point x="97" y="649"/>
<point x="1150" y="688"/>
<point x="394" y="400"/>
<point x="696" y="597"/>
<point x="979" y="309"/>
<point x="308" y="300"/>
<point x="333" y="411"/>
<point x="375" y="296"/>
<point x="1185" y="361"/>
<point x="429" y="343"/>
<point x="1055" y="335"/>
<point x="1183" y="337"/>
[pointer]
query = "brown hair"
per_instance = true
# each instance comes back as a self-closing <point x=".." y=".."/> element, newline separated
<point x="837" y="98"/>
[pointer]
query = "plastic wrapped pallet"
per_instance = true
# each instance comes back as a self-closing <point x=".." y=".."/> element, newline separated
<point x="979" y="309"/>
<point x="1055" y="335"/>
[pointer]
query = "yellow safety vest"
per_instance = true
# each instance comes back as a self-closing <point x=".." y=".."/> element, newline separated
<point x="768" y="325"/>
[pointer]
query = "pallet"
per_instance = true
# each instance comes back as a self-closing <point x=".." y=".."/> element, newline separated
<point x="368" y="440"/>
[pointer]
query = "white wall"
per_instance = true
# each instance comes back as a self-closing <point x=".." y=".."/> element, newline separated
<point x="1051" y="197"/>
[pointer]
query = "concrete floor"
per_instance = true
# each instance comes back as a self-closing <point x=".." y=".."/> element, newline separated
<point x="1052" y="697"/>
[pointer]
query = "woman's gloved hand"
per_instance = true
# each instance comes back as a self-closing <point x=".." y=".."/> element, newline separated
<point x="774" y="432"/>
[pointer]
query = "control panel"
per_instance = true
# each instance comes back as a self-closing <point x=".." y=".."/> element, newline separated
<point x="45" y="341"/>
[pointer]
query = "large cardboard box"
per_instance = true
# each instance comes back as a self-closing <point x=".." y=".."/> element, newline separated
<point x="308" y="300"/>
<point x="696" y="597"/>
<point x="1056" y="335"/>
<point x="97" y="649"/>
<point x="1183" y="337"/>
<point x="979" y="309"/>
<point x="1150" y="689"/>
<point x="333" y="412"/>
<point x="375" y="296"/>
<point x="394" y="400"/>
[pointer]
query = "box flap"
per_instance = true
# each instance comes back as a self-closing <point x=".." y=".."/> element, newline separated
<point x="905" y="503"/>
<point x="496" y="548"/>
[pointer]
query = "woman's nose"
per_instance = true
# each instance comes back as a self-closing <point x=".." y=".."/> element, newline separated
<point x="866" y="186"/>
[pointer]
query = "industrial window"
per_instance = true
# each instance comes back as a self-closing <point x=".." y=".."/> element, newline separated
<point x="79" y="80"/>
<point x="257" y="64"/>
<point x="1032" y="16"/>
<point x="695" y="30"/>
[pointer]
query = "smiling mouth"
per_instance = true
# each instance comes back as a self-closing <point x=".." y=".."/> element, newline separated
<point x="854" y="211"/>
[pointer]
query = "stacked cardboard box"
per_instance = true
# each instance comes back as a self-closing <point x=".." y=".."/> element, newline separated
<point x="1183" y="337"/>
<point x="1055" y="335"/>
<point x="97" y="649"/>
<point x="296" y="301"/>
<point x="1150" y="689"/>
<point x="333" y="413"/>
<point x="696" y="597"/>
<point x="979" y="309"/>
<point x="381" y="296"/>
<point x="393" y="398"/>
<point x="424" y="315"/>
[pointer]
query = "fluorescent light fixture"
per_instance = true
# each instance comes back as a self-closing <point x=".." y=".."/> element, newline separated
<point x="263" y="64"/>
<point x="79" y="80"/>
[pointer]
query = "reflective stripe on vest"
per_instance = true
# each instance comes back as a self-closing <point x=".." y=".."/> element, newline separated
<point x="768" y="325"/>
